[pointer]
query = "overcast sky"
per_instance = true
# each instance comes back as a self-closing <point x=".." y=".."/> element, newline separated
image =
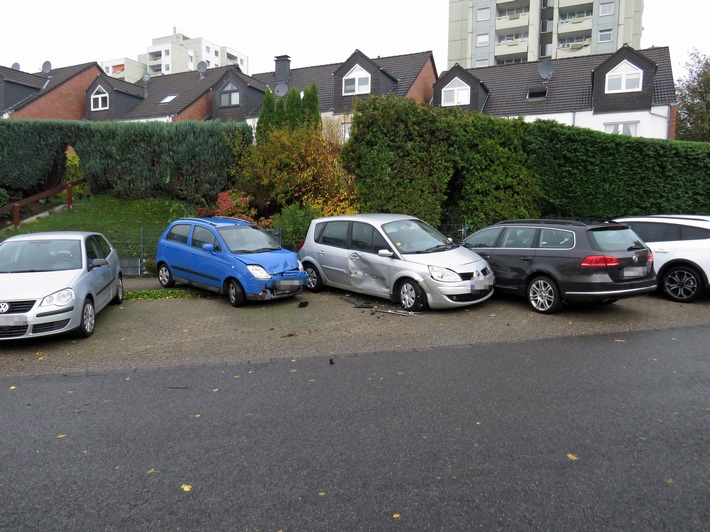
<point x="311" y="32"/>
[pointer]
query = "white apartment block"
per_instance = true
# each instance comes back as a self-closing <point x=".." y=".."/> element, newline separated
<point x="174" y="54"/>
<point x="498" y="32"/>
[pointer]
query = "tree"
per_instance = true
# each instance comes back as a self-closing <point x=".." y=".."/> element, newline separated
<point x="267" y="117"/>
<point x="694" y="100"/>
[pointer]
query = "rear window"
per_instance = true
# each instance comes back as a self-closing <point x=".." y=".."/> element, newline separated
<point x="178" y="233"/>
<point x="614" y="238"/>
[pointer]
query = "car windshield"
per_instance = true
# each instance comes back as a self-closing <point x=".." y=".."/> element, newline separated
<point x="247" y="239"/>
<point x="415" y="236"/>
<point x="22" y="256"/>
<point x="615" y="238"/>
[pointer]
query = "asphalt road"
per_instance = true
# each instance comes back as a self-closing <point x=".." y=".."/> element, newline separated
<point x="189" y="332"/>
<point x="600" y="432"/>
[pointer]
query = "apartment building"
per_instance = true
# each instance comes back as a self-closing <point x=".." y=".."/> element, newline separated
<point x="498" y="32"/>
<point x="174" y="54"/>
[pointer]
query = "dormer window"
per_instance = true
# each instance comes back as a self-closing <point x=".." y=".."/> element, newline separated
<point x="625" y="77"/>
<point x="229" y="96"/>
<point x="99" y="99"/>
<point x="455" y="93"/>
<point x="357" y="81"/>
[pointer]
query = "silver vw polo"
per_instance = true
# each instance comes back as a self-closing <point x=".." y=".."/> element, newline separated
<point x="394" y="256"/>
<point x="56" y="282"/>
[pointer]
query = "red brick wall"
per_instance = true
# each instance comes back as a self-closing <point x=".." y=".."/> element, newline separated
<point x="199" y="110"/>
<point x="672" y="122"/>
<point x="422" y="90"/>
<point x="64" y="102"/>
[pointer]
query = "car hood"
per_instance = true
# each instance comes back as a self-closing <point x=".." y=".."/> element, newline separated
<point x="274" y="262"/>
<point x="455" y="259"/>
<point x="33" y="285"/>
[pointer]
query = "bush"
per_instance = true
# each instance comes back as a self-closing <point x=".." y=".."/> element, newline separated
<point x="293" y="221"/>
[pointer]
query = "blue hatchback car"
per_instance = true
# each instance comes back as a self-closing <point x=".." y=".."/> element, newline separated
<point x="228" y="255"/>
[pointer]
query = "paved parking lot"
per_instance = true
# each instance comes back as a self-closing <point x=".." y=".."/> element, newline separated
<point x="183" y="332"/>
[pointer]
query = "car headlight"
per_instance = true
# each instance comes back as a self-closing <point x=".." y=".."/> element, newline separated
<point x="444" y="274"/>
<point x="258" y="271"/>
<point x="58" y="299"/>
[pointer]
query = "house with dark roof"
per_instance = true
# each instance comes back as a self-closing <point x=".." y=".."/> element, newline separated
<point x="52" y="94"/>
<point x="626" y="92"/>
<point x="223" y="93"/>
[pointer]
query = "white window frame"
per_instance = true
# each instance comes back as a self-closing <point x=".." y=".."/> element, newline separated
<point x="346" y="130"/>
<point x="483" y="39"/>
<point x="169" y="98"/>
<point x="480" y="63"/>
<point x="622" y="128"/>
<point x="602" y="36"/>
<point x="456" y="92"/>
<point x="357" y="81"/>
<point x="483" y="13"/>
<point x="606" y="9"/>
<point x="99" y="99"/>
<point x="624" y="77"/>
<point x="232" y="92"/>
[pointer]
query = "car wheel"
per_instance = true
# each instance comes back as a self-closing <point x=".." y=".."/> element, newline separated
<point x="165" y="278"/>
<point x="544" y="296"/>
<point x="411" y="296"/>
<point x="88" y="320"/>
<point x="314" y="283"/>
<point x="682" y="284"/>
<point x="118" y="298"/>
<point x="235" y="293"/>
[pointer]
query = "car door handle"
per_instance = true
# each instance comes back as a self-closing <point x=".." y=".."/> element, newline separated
<point x="354" y="256"/>
<point x="526" y="259"/>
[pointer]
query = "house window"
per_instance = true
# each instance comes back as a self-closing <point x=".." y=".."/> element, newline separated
<point x="481" y="63"/>
<point x="169" y="98"/>
<point x="622" y="128"/>
<point x="604" y="35"/>
<point x="625" y="77"/>
<point x="357" y="81"/>
<point x="208" y="49"/>
<point x="484" y="13"/>
<point x="216" y="53"/>
<point x="606" y="8"/>
<point x="166" y="53"/>
<point x="482" y="40"/>
<point x="99" y="99"/>
<point x="513" y="37"/>
<point x="347" y="128"/>
<point x="455" y="93"/>
<point x="166" y="68"/>
<point x="229" y="96"/>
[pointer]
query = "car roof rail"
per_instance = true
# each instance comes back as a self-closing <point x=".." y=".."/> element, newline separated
<point x="544" y="221"/>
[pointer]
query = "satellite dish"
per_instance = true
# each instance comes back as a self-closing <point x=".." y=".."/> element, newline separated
<point x="281" y="89"/>
<point x="145" y="77"/>
<point x="201" y="67"/>
<point x="46" y="67"/>
<point x="546" y="69"/>
<point x="16" y="66"/>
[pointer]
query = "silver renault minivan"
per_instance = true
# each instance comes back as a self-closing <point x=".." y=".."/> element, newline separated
<point x="394" y="256"/>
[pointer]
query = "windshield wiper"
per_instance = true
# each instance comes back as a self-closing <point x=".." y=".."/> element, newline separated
<point x="440" y="247"/>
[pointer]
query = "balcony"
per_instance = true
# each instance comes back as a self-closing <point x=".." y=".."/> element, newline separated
<point x="575" y="25"/>
<point x="511" y="48"/>
<point x="513" y="22"/>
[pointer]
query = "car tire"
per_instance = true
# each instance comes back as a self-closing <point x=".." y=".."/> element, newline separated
<point x="118" y="298"/>
<point x="314" y="282"/>
<point x="411" y="296"/>
<point x="88" y="320"/>
<point x="165" y="277"/>
<point x="544" y="296"/>
<point x="682" y="284"/>
<point x="235" y="293"/>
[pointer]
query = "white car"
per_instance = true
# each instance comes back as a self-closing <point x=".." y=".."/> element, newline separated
<point x="681" y="252"/>
<point x="56" y="282"/>
<point x="396" y="257"/>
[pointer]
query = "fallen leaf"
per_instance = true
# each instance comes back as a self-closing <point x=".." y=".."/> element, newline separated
<point x="620" y="341"/>
<point x="216" y="390"/>
<point x="396" y="516"/>
<point x="12" y="388"/>
<point x="196" y="415"/>
<point x="670" y="481"/>
<point x="61" y="436"/>
<point x="186" y="487"/>
<point x="151" y="471"/>
<point x="572" y="457"/>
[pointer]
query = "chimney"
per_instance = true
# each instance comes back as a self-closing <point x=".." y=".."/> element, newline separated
<point x="283" y="69"/>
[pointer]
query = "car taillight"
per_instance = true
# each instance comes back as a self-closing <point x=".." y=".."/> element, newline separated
<point x="300" y="245"/>
<point x="650" y="256"/>
<point x="599" y="261"/>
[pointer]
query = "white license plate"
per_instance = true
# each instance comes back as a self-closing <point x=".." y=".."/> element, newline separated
<point x="8" y="321"/>
<point x="635" y="271"/>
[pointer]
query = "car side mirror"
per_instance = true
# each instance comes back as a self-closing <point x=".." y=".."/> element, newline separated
<point x="385" y="253"/>
<point x="95" y="263"/>
<point x="208" y="247"/>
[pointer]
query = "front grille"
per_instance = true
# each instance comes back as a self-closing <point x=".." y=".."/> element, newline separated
<point x="51" y="326"/>
<point x="20" y="307"/>
<point x="13" y="331"/>
<point x="467" y="276"/>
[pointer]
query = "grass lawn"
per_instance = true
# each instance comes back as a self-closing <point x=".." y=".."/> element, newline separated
<point x="107" y="214"/>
